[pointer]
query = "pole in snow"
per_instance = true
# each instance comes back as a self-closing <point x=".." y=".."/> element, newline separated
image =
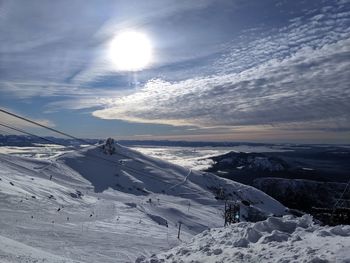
<point x="178" y="233"/>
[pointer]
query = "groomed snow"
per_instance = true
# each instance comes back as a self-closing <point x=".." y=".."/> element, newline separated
<point x="279" y="240"/>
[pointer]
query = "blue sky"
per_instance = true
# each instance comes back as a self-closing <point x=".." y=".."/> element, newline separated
<point x="234" y="70"/>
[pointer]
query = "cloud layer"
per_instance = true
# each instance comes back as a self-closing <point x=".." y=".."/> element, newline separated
<point x="221" y="67"/>
<point x="310" y="86"/>
<point x="296" y="78"/>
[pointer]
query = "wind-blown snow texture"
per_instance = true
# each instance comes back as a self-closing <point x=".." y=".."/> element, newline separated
<point x="108" y="208"/>
<point x="279" y="240"/>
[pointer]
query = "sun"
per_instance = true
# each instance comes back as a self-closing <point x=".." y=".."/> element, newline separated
<point x="130" y="51"/>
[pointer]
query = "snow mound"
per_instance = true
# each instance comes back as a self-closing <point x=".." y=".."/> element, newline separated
<point x="284" y="239"/>
<point x="13" y="251"/>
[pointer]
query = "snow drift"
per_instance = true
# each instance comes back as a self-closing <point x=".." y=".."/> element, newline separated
<point x="279" y="240"/>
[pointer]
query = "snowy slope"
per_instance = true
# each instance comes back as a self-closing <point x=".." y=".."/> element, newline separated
<point x="108" y="208"/>
<point x="279" y="240"/>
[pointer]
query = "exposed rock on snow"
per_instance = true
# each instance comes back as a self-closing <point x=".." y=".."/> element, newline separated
<point x="109" y="146"/>
<point x="284" y="239"/>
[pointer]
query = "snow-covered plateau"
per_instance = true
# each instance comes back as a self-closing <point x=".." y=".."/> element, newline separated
<point x="94" y="206"/>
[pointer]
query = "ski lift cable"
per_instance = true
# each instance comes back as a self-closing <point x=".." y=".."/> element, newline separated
<point x="51" y="141"/>
<point x="88" y="155"/>
<point x="4" y="132"/>
<point x="44" y="126"/>
<point x="67" y="135"/>
<point x="46" y="139"/>
<point x="31" y="134"/>
<point x="49" y="128"/>
<point x="72" y="137"/>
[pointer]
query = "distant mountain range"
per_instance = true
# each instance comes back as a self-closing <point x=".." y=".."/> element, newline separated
<point x="326" y="164"/>
<point x="301" y="179"/>
<point x="26" y="140"/>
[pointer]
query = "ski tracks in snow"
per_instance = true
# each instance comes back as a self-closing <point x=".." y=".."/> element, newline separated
<point x="183" y="182"/>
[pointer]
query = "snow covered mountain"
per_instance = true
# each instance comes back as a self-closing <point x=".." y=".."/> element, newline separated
<point x="248" y="161"/>
<point x="103" y="205"/>
<point x="304" y="194"/>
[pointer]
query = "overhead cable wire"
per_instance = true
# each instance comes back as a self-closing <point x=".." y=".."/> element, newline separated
<point x="73" y="137"/>
<point x="31" y="134"/>
<point x="44" y="126"/>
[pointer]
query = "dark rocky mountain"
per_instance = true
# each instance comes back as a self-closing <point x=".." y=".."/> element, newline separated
<point x="302" y="179"/>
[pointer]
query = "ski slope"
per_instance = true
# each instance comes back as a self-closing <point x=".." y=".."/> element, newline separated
<point x="88" y="206"/>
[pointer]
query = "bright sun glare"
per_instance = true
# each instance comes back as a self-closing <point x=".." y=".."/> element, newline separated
<point x="131" y="51"/>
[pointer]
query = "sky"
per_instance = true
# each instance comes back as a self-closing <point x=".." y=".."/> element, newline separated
<point x="223" y="70"/>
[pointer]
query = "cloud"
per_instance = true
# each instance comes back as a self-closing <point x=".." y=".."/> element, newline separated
<point x="65" y="41"/>
<point x="296" y="75"/>
<point x="141" y="17"/>
<point x="308" y="86"/>
<point x="25" y="90"/>
<point x="69" y="96"/>
<point x="82" y="102"/>
<point x="212" y="71"/>
<point x="40" y="40"/>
